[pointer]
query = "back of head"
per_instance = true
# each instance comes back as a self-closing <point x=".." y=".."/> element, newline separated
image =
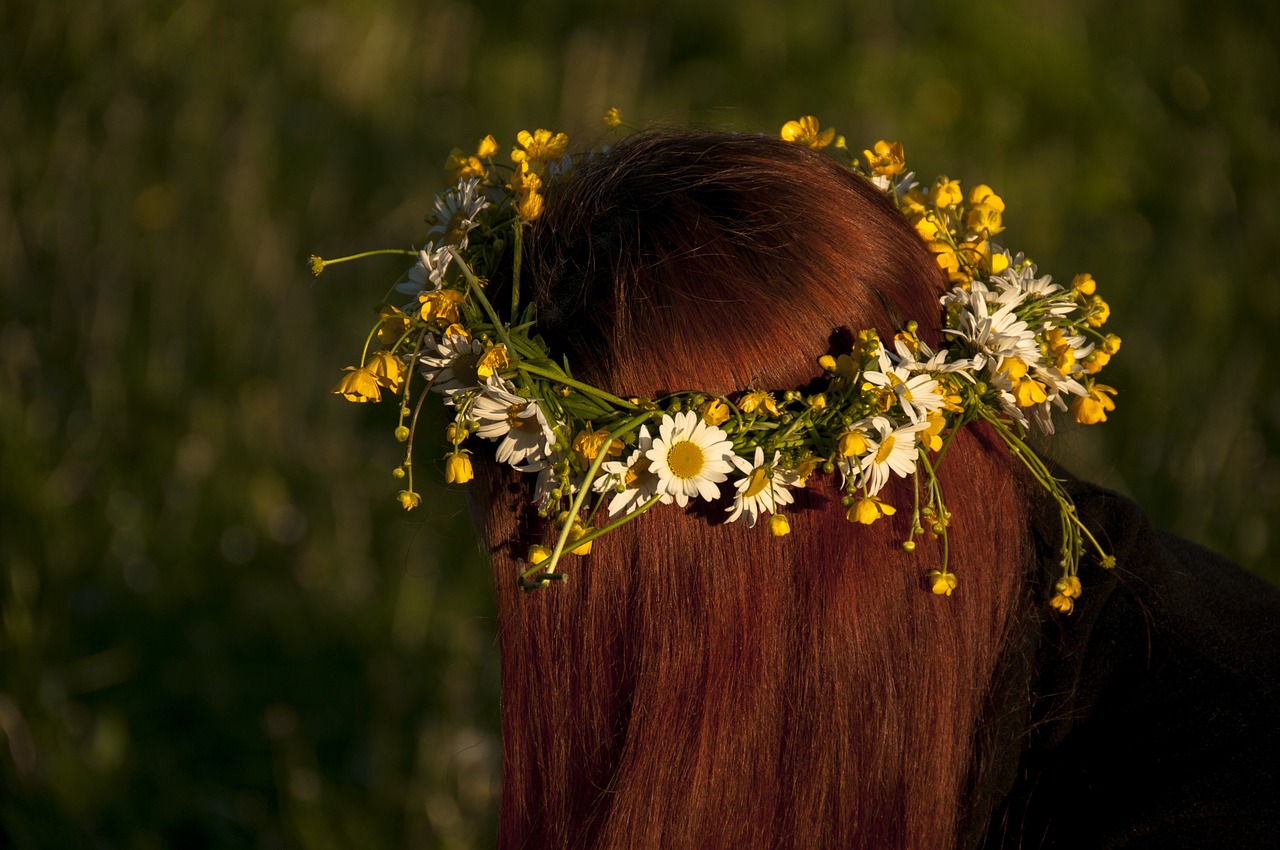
<point x="703" y="684"/>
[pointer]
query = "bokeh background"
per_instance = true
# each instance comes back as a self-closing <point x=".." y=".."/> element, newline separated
<point x="219" y="629"/>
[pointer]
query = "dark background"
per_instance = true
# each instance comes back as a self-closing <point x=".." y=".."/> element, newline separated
<point x="219" y="629"/>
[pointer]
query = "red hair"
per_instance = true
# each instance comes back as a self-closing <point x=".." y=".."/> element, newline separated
<point x="698" y="684"/>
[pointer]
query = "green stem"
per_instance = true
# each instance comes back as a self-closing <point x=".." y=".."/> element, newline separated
<point x="577" y="385"/>
<point x="518" y="235"/>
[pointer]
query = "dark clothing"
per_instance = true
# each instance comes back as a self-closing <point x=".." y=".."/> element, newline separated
<point x="1156" y="716"/>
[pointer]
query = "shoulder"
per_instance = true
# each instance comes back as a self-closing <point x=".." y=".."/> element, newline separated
<point x="1155" y="719"/>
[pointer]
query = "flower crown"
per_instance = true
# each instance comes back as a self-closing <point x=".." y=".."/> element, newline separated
<point x="1019" y="345"/>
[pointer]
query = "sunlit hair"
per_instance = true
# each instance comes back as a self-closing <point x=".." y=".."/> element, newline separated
<point x="701" y="684"/>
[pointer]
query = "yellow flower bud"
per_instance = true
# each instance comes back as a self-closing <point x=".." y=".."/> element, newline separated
<point x="538" y="554"/>
<point x="488" y="146"/>
<point x="1101" y="311"/>
<point x="818" y="401"/>
<point x="779" y="526"/>
<point x="575" y="533"/>
<point x="457" y="467"/>
<point x="409" y="499"/>
<point x="1110" y="344"/>
<point x="714" y="412"/>
<point x="827" y="362"/>
<point x="940" y="582"/>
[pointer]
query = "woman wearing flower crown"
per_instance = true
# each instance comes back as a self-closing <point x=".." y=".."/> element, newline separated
<point x="830" y="597"/>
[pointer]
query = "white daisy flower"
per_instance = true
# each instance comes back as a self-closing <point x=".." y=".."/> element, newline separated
<point x="632" y="480"/>
<point x="457" y="211"/>
<point x="428" y="274"/>
<point x="763" y="488"/>
<point x="690" y="457"/>
<point x="916" y="393"/>
<point x="894" y="452"/>
<point x="450" y="364"/>
<point x="996" y="335"/>
<point x="519" y="422"/>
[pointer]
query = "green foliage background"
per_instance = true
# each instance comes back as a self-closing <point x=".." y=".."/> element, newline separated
<point x="219" y="630"/>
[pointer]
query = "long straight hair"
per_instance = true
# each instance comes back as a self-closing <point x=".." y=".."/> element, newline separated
<point x="701" y="684"/>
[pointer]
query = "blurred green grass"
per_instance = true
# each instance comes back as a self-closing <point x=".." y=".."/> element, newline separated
<point x="218" y="628"/>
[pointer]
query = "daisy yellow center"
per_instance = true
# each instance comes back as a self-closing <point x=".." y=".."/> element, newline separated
<point x="757" y="482"/>
<point x="885" y="449"/>
<point x="685" y="459"/>
<point x="528" y="424"/>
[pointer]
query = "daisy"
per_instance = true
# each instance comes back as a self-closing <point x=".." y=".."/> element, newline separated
<point x="457" y="211"/>
<point x="690" y="457"/>
<point x="632" y="480"/>
<point x="450" y="364"/>
<point x="519" y="422"/>
<point x="916" y="393"/>
<point x="894" y="452"/>
<point x="763" y="488"/>
<point x="427" y="275"/>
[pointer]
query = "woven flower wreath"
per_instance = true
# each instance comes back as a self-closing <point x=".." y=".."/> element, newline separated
<point x="1019" y="346"/>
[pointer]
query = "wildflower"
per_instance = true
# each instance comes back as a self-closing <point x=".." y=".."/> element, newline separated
<point x="409" y="499"/>
<point x="317" y="264"/>
<point x="894" y="452"/>
<point x="868" y="509"/>
<point x="1092" y="408"/>
<point x="456" y="212"/>
<point x="932" y="436"/>
<point x="443" y="306"/>
<point x="520" y="424"/>
<point x="1069" y="586"/>
<point x="1110" y="344"/>
<point x="453" y="364"/>
<point x="1084" y="284"/>
<point x="886" y="158"/>
<point x="612" y="117"/>
<point x="1061" y="603"/>
<point x="632" y="480"/>
<point x="779" y="526"/>
<point x="493" y="360"/>
<point x="853" y="444"/>
<point x="457" y="467"/>
<point x="941" y="582"/>
<point x="763" y="488"/>
<point x="714" y="412"/>
<point x="393" y="325"/>
<point x="756" y="400"/>
<point x="358" y="385"/>
<point x="537" y="554"/>
<point x="1095" y="360"/>
<point x="588" y="443"/>
<point x="946" y="192"/>
<point x="690" y="457"/>
<point x="539" y="148"/>
<point x="805" y="132"/>
<point x="388" y="370"/>
<point x="1099" y="312"/>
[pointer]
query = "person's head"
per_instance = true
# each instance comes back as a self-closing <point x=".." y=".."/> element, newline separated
<point x="697" y="683"/>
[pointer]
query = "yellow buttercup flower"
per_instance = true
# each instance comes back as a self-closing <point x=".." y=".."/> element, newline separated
<point x="779" y="525"/>
<point x="818" y="401"/>
<point x="537" y="554"/>
<point x="358" y="385"/>
<point x="886" y="158"/>
<point x="539" y="147"/>
<point x="945" y="256"/>
<point x="1095" y="360"/>
<point x="488" y="147"/>
<point x="444" y="305"/>
<point x="985" y="195"/>
<point x="758" y="399"/>
<point x="494" y="360"/>
<point x="588" y="443"/>
<point x="457" y="467"/>
<point x="577" y="533"/>
<point x="915" y="203"/>
<point x="984" y="218"/>
<point x="932" y="436"/>
<point x="612" y="117"/>
<point x="409" y="499"/>
<point x="1069" y="586"/>
<point x="852" y="444"/>
<point x="1061" y="603"/>
<point x="1084" y="284"/>
<point x="530" y="206"/>
<point x="1110" y="344"/>
<point x="388" y="370"/>
<point x="868" y="509"/>
<point x="393" y="325"/>
<point x="805" y="131"/>
<point x="714" y="412"/>
<point x="1092" y="408"/>
<point x="927" y="226"/>
<point x="946" y="192"/>
<point x="1101" y="312"/>
<point x="941" y="582"/>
